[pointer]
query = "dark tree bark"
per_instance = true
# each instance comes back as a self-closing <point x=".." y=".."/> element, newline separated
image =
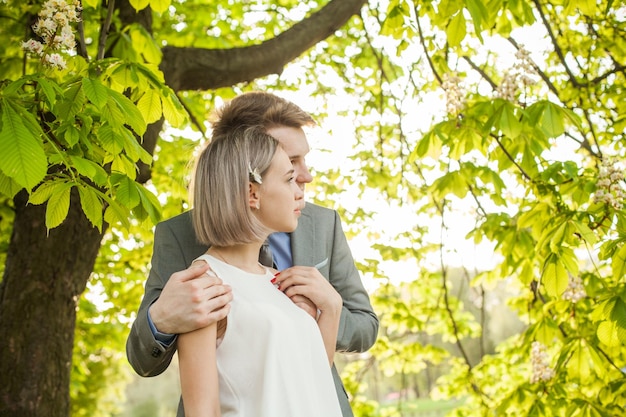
<point x="202" y="69"/>
<point x="45" y="274"/>
<point x="47" y="271"/>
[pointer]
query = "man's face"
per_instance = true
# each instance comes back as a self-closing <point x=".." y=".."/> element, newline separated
<point x="294" y="143"/>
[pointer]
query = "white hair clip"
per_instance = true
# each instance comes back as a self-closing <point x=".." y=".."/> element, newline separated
<point x="254" y="175"/>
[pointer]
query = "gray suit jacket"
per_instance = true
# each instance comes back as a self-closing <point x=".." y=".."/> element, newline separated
<point x="319" y="237"/>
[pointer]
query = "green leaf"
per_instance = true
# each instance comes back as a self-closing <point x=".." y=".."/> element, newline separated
<point x="139" y="4"/>
<point x="479" y="14"/>
<point x="607" y="333"/>
<point x="8" y="186"/>
<point x="160" y="6"/>
<point x="452" y="182"/>
<point x="552" y="120"/>
<point x="131" y="115"/>
<point x="71" y="136"/>
<point x="569" y="260"/>
<point x="115" y="214"/>
<point x="173" y="110"/>
<point x="150" y="106"/>
<point x="110" y="140"/>
<point x="72" y="103"/>
<point x="150" y="203"/>
<point x="50" y="91"/>
<point x="89" y="169"/>
<point x="133" y="149"/>
<point x="587" y="7"/>
<point x="96" y="92"/>
<point x="554" y="277"/>
<point x="121" y="164"/>
<point x="92" y="205"/>
<point x="43" y="192"/>
<point x="22" y="158"/>
<point x="618" y="314"/>
<point x="619" y="263"/>
<point x="58" y="206"/>
<point x="509" y="123"/>
<point x="585" y="233"/>
<point x="456" y="30"/>
<point x="145" y="44"/>
<point x="579" y="363"/>
<point x="126" y="192"/>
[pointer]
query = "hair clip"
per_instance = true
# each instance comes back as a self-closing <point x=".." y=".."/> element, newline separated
<point x="254" y="175"/>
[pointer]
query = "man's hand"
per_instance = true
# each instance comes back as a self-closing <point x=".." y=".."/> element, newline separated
<point x="191" y="299"/>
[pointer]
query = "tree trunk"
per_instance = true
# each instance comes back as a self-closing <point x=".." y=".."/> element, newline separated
<point x="45" y="274"/>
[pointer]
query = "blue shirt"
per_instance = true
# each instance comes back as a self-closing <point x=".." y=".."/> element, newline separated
<point x="280" y="244"/>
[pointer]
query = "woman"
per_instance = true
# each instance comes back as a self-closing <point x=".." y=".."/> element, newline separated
<point x="268" y="358"/>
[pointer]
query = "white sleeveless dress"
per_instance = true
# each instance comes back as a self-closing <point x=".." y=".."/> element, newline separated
<point x="271" y="361"/>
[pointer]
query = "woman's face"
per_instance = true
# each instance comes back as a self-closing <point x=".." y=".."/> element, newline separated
<point x="280" y="198"/>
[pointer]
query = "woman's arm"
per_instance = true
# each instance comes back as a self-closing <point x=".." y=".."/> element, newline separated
<point x="328" y="322"/>
<point x="198" y="372"/>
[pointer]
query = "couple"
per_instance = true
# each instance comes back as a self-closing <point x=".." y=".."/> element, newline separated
<point x="194" y="298"/>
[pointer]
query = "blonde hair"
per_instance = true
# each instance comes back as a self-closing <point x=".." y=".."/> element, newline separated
<point x="220" y="188"/>
<point x="258" y="108"/>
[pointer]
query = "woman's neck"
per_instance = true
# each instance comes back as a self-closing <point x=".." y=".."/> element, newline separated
<point x="244" y="257"/>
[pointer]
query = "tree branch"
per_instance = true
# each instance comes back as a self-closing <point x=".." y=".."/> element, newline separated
<point x="203" y="69"/>
<point x="557" y="48"/>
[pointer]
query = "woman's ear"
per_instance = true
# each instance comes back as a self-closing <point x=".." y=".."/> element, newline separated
<point x="254" y="199"/>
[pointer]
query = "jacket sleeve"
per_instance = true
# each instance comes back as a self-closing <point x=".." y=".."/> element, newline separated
<point x="358" y="325"/>
<point x="146" y="355"/>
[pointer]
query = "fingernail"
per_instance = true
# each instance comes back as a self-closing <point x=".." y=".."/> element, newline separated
<point x="273" y="281"/>
<point x="276" y="274"/>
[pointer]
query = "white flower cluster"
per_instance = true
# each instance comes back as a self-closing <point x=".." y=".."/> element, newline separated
<point x="540" y="363"/>
<point x="610" y="189"/>
<point x="520" y="76"/>
<point x="455" y="94"/>
<point x="575" y="290"/>
<point x="53" y="26"/>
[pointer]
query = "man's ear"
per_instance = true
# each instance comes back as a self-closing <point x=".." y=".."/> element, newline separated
<point x="254" y="199"/>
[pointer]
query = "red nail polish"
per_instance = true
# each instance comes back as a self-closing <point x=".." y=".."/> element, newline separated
<point x="273" y="280"/>
<point x="276" y="274"/>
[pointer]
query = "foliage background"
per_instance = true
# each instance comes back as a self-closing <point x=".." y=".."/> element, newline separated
<point x="442" y="128"/>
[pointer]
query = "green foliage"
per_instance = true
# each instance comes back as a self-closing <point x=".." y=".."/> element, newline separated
<point x="457" y="130"/>
<point x="507" y="114"/>
<point x="78" y="127"/>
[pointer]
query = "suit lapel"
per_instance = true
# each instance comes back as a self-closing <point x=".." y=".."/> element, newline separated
<point x="303" y="241"/>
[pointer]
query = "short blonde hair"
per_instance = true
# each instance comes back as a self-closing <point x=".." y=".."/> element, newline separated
<point x="220" y="189"/>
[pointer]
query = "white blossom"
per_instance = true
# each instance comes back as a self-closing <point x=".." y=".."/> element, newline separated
<point x="55" y="61"/>
<point x="540" y="363"/>
<point x="575" y="290"/>
<point x="610" y="185"/>
<point x="53" y="26"/>
<point x="32" y="46"/>
<point x="455" y="94"/>
<point x="521" y="75"/>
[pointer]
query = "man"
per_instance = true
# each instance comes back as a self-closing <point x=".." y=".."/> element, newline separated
<point x="179" y="299"/>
